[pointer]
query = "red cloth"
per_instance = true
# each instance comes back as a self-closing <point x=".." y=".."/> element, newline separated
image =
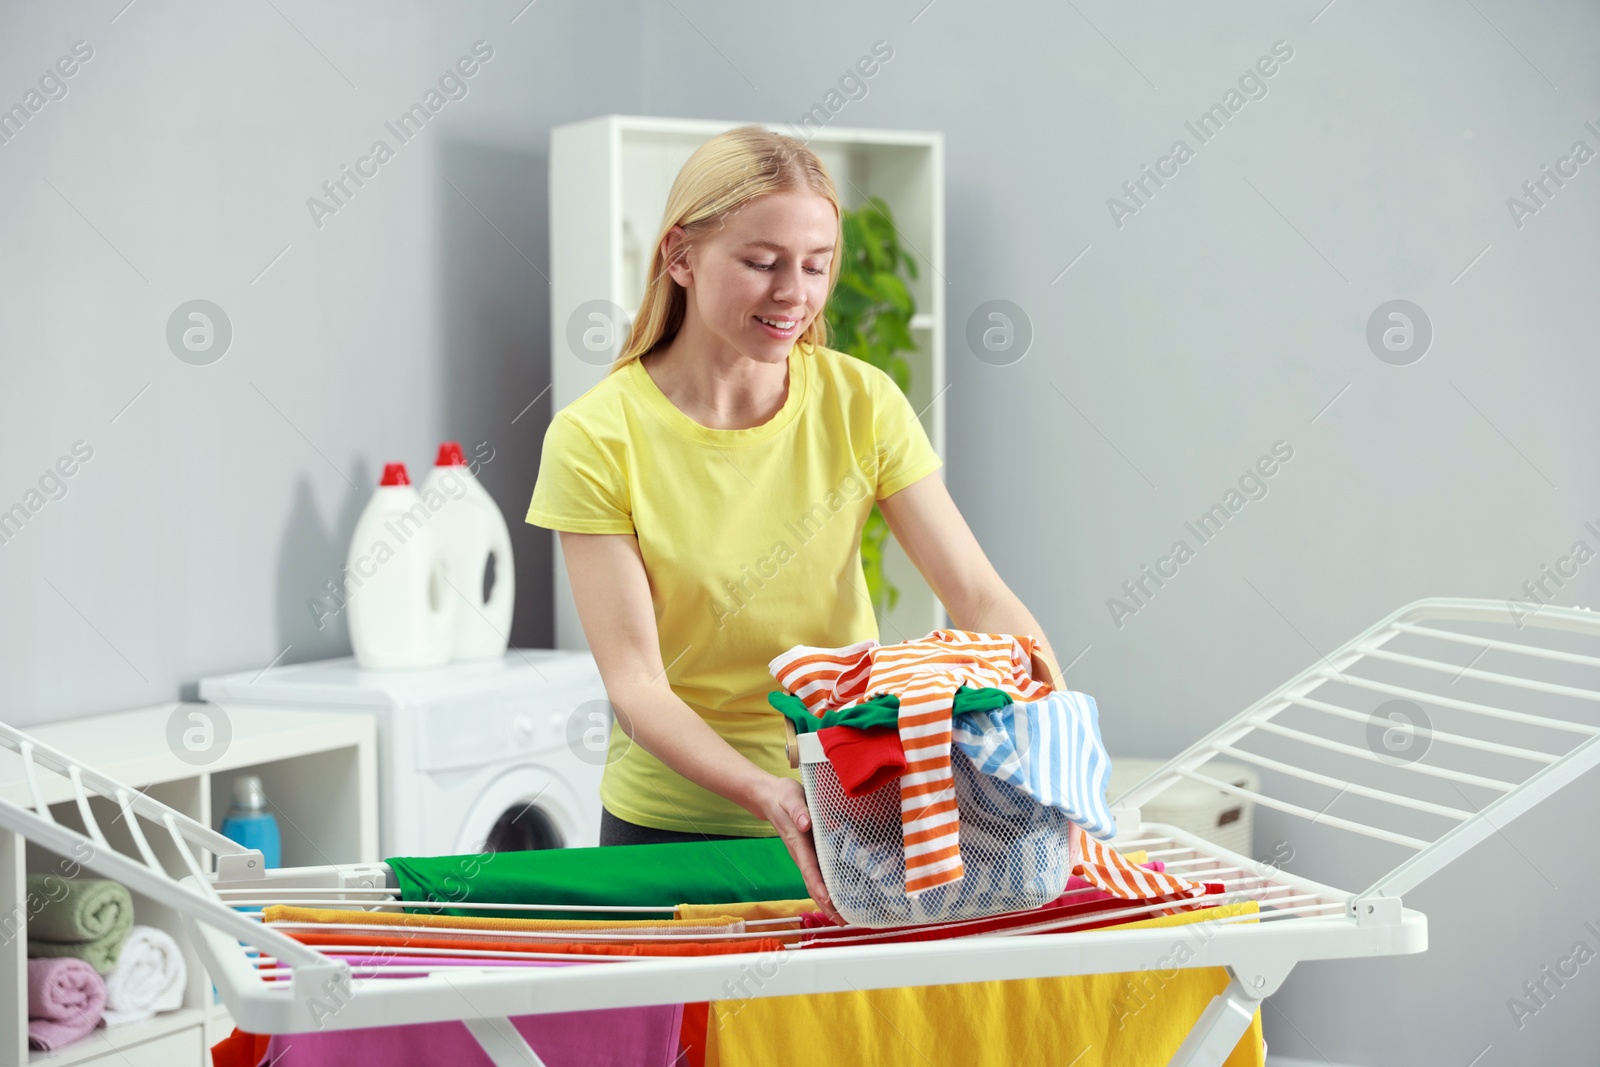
<point x="1078" y="891"/>
<point x="692" y="1034"/>
<point x="1075" y="905"/>
<point x="864" y="760"/>
<point x="239" y="1049"/>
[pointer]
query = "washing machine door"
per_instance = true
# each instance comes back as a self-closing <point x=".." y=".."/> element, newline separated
<point x="528" y="806"/>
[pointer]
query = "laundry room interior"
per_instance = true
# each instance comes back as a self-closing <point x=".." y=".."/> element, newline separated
<point x="550" y="463"/>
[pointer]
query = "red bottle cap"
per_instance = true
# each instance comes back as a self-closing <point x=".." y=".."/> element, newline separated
<point x="450" y="455"/>
<point x="395" y="474"/>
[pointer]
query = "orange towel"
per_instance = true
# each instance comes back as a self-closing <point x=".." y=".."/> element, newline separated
<point x="646" y="947"/>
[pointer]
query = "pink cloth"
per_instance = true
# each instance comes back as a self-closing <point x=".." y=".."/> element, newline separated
<point x="66" y="997"/>
<point x="609" y="1037"/>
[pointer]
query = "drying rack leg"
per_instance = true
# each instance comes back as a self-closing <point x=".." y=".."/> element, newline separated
<point x="1218" y="1030"/>
<point x="503" y="1043"/>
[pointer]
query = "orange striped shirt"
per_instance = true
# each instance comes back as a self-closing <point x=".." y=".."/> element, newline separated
<point x="925" y="675"/>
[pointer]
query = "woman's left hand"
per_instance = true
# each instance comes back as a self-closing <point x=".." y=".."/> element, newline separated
<point x="784" y="806"/>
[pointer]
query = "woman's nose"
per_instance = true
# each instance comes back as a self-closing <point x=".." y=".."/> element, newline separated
<point x="788" y="285"/>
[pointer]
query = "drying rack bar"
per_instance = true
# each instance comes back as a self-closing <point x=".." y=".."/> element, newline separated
<point x="1458" y="841"/>
<point x="1370" y="663"/>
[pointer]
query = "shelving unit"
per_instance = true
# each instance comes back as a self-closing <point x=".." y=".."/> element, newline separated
<point x="609" y="179"/>
<point x="319" y="772"/>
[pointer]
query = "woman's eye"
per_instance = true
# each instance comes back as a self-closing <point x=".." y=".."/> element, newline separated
<point x="769" y="266"/>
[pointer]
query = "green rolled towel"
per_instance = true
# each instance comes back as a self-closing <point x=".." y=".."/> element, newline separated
<point x="88" y="918"/>
<point x="881" y="710"/>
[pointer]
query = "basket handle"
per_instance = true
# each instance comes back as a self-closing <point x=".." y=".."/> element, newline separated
<point x="791" y="744"/>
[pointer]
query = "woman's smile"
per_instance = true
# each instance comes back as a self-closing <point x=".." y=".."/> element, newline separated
<point x="771" y="324"/>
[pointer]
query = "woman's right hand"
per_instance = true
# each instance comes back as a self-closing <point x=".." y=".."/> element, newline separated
<point x="783" y="804"/>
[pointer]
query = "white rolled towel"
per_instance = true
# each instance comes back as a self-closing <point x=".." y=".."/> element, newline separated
<point x="149" y="977"/>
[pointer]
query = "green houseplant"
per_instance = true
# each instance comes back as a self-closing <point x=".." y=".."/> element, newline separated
<point x="869" y="317"/>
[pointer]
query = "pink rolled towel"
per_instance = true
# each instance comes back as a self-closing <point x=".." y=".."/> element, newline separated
<point x="65" y="998"/>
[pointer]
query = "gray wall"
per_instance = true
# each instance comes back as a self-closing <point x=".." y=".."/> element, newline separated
<point x="1226" y="314"/>
<point x="178" y="165"/>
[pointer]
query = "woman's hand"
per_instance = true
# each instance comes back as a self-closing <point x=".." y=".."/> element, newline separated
<point x="783" y="804"/>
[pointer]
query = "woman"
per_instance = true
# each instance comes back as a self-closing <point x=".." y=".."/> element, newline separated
<point x="710" y="493"/>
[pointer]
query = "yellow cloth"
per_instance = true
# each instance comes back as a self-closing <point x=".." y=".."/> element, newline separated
<point x="757" y="909"/>
<point x="283" y="913"/>
<point x="1136" y="1019"/>
<point x="751" y="539"/>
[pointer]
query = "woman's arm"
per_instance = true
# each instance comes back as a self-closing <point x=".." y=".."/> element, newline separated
<point x="929" y="526"/>
<point x="612" y="593"/>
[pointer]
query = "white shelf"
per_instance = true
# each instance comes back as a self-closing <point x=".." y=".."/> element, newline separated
<point x="614" y="172"/>
<point x="134" y="1043"/>
<point x="131" y="745"/>
<point x="319" y="772"/>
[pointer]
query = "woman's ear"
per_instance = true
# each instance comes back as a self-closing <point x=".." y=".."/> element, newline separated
<point x="675" y="254"/>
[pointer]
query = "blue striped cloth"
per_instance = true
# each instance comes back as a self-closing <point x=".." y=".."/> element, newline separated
<point x="1050" y="749"/>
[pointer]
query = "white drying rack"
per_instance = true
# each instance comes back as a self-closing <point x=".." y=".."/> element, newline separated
<point x="1409" y="657"/>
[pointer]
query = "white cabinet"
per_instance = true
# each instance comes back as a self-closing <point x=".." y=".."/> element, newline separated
<point x="319" y="772"/>
<point x="609" y="179"/>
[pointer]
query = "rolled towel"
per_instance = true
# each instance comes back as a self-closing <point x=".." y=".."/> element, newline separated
<point x="65" y="999"/>
<point x="86" y="918"/>
<point x="149" y="977"/>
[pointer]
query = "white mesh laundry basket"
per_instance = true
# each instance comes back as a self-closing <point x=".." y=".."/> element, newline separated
<point x="1016" y="851"/>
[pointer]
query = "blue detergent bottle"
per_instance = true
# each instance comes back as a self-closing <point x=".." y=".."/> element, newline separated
<point x="250" y="824"/>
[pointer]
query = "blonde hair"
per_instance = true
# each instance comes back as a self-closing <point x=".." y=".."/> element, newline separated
<point x="723" y="174"/>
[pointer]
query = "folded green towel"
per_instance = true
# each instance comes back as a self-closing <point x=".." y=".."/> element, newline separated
<point x="87" y="918"/>
<point x="881" y="710"/>
<point x="693" y="872"/>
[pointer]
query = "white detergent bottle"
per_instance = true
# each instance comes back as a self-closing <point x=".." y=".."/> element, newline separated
<point x="477" y="548"/>
<point x="402" y="611"/>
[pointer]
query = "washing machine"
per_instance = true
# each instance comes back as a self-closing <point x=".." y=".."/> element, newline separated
<point x="492" y="755"/>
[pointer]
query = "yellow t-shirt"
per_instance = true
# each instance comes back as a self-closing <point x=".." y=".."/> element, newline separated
<point x="751" y="539"/>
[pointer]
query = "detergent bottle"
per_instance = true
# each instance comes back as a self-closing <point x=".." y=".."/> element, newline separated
<point x="477" y="550"/>
<point x="401" y="607"/>
<point x="253" y="826"/>
<point x="250" y="823"/>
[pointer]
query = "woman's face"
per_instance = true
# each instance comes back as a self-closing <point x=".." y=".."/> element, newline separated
<point x="769" y="261"/>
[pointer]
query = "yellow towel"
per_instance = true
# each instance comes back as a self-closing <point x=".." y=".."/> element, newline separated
<point x="284" y="913"/>
<point x="1096" y="1020"/>
<point x="756" y="909"/>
